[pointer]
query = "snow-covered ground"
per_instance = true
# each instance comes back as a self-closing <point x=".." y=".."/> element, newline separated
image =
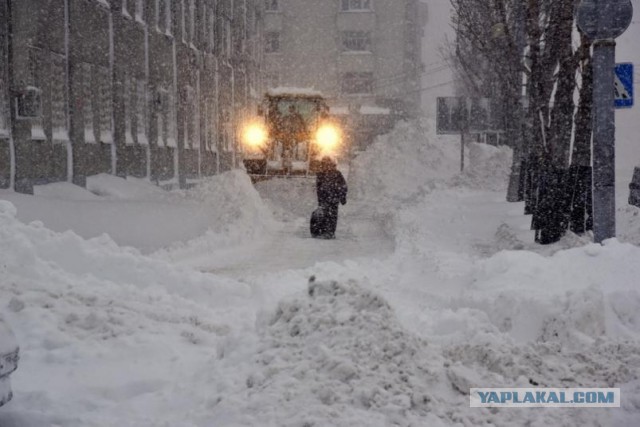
<point x="212" y="307"/>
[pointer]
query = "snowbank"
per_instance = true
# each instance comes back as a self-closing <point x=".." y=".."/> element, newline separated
<point x="400" y="166"/>
<point x="31" y="251"/>
<point x="8" y="341"/>
<point x="339" y="356"/>
<point x="124" y="189"/>
<point x="236" y="214"/>
<point x="410" y="162"/>
<point x="105" y="331"/>
<point x="134" y="212"/>
<point x="488" y="167"/>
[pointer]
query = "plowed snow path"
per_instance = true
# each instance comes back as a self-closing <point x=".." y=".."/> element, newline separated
<point x="291" y="246"/>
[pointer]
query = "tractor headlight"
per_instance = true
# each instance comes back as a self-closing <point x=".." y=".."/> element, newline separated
<point x="328" y="137"/>
<point x="254" y="135"/>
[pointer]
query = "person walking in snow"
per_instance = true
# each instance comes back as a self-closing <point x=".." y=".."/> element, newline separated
<point x="331" y="189"/>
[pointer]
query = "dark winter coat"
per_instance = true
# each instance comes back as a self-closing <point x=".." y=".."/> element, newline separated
<point x="331" y="187"/>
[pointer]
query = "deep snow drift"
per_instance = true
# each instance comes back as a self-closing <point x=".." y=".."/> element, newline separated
<point x="433" y="286"/>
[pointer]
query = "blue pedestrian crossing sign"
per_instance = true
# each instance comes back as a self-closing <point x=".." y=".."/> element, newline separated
<point x="624" y="85"/>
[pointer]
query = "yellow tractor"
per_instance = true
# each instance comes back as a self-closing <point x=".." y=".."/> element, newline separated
<point x="291" y="133"/>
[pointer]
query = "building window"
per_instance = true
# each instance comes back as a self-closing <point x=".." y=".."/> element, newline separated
<point x="172" y="120"/>
<point x="87" y="103"/>
<point x="167" y="18"/>
<point x="271" y="5"/>
<point x="356" y="41"/>
<point x="4" y="110"/>
<point x="192" y="21"/>
<point x="183" y="20"/>
<point x="272" y="42"/>
<point x="191" y="122"/>
<point x="210" y="129"/>
<point x="227" y="38"/>
<point x="163" y="16"/>
<point x="29" y="102"/>
<point x="161" y="114"/>
<point x="139" y="10"/>
<point x="212" y="29"/>
<point x="59" y="122"/>
<point x="349" y="5"/>
<point x="125" y="8"/>
<point x="141" y="112"/>
<point x="129" y="108"/>
<point x="357" y="83"/>
<point x="271" y="80"/>
<point x="105" y="106"/>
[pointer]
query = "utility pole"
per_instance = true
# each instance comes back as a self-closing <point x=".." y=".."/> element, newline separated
<point x="603" y="21"/>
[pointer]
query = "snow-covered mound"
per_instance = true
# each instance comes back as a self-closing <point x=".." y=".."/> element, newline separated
<point x="575" y="295"/>
<point x="411" y="161"/>
<point x="234" y="201"/>
<point x="33" y="252"/>
<point x="236" y="214"/>
<point x="100" y="326"/>
<point x="8" y="341"/>
<point x="131" y="188"/>
<point x="487" y="167"/>
<point x="289" y="198"/>
<point x="340" y="357"/>
<point x="628" y="227"/>
<point x="64" y="190"/>
<point x="400" y="165"/>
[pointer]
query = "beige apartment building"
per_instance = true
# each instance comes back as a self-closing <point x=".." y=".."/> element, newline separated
<point x="364" y="55"/>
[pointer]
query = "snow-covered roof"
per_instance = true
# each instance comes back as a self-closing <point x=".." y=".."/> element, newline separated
<point x="297" y="91"/>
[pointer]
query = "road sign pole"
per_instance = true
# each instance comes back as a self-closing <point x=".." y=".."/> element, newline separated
<point x="603" y="21"/>
<point x="604" y="204"/>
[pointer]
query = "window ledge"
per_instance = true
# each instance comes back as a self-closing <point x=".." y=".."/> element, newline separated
<point x="358" y="11"/>
<point x="356" y="52"/>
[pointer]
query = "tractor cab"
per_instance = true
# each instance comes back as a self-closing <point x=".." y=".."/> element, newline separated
<point x="290" y="133"/>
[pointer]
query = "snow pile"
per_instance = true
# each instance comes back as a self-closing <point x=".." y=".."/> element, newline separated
<point x="64" y="190"/>
<point x="234" y="201"/>
<point x="340" y="357"/>
<point x="8" y="341"/>
<point x="32" y="252"/>
<point x="111" y="186"/>
<point x="289" y="198"/>
<point x="629" y="222"/>
<point x="488" y="167"/>
<point x="343" y="359"/>
<point x="410" y="162"/>
<point x="107" y="335"/>
<point x="236" y="214"/>
<point x="400" y="166"/>
<point x="574" y="296"/>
